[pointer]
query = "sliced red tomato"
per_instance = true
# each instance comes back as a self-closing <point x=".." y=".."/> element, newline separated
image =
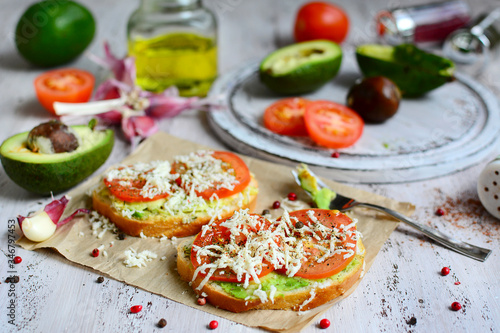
<point x="67" y="85"/>
<point x="286" y="116"/>
<point x="311" y="268"/>
<point x="131" y="192"/>
<point x="332" y="125"/>
<point x="220" y="235"/>
<point x="233" y="164"/>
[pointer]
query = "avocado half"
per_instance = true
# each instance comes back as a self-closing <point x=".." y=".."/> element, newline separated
<point x="414" y="71"/>
<point x="53" y="173"/>
<point x="301" y="68"/>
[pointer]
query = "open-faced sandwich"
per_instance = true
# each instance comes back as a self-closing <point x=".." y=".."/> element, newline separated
<point x="300" y="261"/>
<point x="175" y="199"/>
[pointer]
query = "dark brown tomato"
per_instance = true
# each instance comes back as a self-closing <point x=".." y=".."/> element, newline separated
<point x="375" y="99"/>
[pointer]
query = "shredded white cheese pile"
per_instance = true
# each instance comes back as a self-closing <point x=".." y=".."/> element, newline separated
<point x="134" y="259"/>
<point x="100" y="224"/>
<point x="200" y="171"/>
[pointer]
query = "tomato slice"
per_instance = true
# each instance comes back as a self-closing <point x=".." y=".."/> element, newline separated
<point x="67" y="85"/>
<point x="131" y="187"/>
<point x="232" y="164"/>
<point x="130" y="191"/>
<point x="311" y="268"/>
<point x="286" y="116"/>
<point x="332" y="125"/>
<point x="220" y="235"/>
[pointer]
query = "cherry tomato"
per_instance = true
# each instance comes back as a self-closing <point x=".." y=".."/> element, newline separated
<point x="321" y="20"/>
<point x="332" y="125"/>
<point x="311" y="268"/>
<point x="232" y="164"/>
<point x="67" y="85"/>
<point x="220" y="235"/>
<point x="286" y="116"/>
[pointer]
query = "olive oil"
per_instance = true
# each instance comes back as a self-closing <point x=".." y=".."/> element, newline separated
<point x="186" y="60"/>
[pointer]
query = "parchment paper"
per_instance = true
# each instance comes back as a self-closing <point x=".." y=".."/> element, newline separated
<point x="160" y="276"/>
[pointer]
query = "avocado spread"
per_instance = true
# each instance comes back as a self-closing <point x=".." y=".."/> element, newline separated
<point x="175" y="205"/>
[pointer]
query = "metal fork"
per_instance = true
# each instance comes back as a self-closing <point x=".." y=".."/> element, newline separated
<point x="343" y="203"/>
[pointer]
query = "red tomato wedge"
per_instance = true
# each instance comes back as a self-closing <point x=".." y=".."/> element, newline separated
<point x="332" y="125"/>
<point x="220" y="235"/>
<point x="312" y="269"/>
<point x="286" y="116"/>
<point x="232" y="164"/>
<point x="67" y="85"/>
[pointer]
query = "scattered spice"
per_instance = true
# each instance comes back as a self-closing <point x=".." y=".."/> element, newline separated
<point x="324" y="323"/>
<point x="336" y="154"/>
<point x="12" y="279"/>
<point x="201" y="301"/>
<point x="299" y="225"/>
<point x="136" y="308"/>
<point x="121" y="236"/>
<point x="276" y="204"/>
<point x="445" y="271"/>
<point x="213" y="324"/>
<point x="17" y="260"/>
<point x="95" y="252"/>
<point x="266" y="211"/>
<point x="162" y="323"/>
<point x="292" y="196"/>
<point x="455" y="306"/>
<point x="100" y="279"/>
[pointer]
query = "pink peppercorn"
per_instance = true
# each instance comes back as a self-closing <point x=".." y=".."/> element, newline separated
<point x="455" y="306"/>
<point x="336" y="154"/>
<point x="17" y="260"/>
<point x="324" y="323"/>
<point x="276" y="204"/>
<point x="136" y="308"/>
<point x="445" y="271"/>
<point x="213" y="324"/>
<point x="440" y="212"/>
<point x="201" y="301"/>
<point x="95" y="252"/>
<point x="292" y="196"/>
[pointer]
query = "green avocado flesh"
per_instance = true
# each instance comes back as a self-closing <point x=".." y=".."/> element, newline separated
<point x="53" y="173"/>
<point x="282" y="283"/>
<point x="145" y="210"/>
<point x="301" y="67"/>
<point x="414" y="71"/>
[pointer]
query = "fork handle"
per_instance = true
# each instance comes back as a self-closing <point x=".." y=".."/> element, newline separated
<point x="469" y="250"/>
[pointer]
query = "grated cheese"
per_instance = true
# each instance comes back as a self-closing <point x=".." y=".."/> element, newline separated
<point x="134" y="259"/>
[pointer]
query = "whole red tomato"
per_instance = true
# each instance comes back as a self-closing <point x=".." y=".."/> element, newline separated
<point x="321" y="20"/>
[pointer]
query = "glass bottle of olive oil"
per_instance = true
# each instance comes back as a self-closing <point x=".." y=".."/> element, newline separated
<point x="174" y="42"/>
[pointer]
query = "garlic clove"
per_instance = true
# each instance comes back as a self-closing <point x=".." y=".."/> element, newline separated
<point x="39" y="227"/>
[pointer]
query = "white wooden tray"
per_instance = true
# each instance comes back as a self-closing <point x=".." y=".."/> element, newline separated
<point x="449" y="129"/>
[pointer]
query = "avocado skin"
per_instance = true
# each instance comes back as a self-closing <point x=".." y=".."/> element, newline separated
<point x="47" y="178"/>
<point x="414" y="71"/>
<point x="305" y="78"/>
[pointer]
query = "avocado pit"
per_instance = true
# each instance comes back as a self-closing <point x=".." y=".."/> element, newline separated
<point x="52" y="137"/>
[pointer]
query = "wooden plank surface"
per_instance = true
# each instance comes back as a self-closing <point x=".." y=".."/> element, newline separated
<point x="404" y="282"/>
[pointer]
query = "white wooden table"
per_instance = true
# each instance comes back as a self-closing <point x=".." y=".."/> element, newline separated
<point x="55" y="295"/>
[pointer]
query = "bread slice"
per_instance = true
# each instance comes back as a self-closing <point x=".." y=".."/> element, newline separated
<point x="318" y="292"/>
<point x="171" y="225"/>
